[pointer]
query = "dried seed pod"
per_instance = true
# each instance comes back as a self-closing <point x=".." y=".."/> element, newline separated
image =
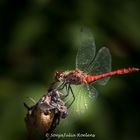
<point x="43" y="117"/>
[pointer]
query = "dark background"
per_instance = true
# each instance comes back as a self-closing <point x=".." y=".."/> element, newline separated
<point x="37" y="37"/>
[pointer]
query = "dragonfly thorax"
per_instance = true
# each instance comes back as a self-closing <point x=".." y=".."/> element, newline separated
<point x="74" y="77"/>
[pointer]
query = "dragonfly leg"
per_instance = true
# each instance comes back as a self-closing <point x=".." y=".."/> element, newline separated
<point x="61" y="86"/>
<point x="67" y="89"/>
<point x="70" y="90"/>
<point x="66" y="93"/>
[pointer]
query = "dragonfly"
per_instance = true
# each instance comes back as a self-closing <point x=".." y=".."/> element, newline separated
<point x="90" y="68"/>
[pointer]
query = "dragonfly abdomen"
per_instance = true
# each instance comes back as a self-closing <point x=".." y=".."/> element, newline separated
<point x="91" y="79"/>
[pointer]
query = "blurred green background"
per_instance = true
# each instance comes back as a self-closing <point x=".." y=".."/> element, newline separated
<point x="37" y="37"/>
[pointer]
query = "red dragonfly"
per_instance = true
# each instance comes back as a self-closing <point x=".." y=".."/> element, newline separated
<point x="90" y="68"/>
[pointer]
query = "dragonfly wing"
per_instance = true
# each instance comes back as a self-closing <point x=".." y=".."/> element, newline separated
<point x="92" y="91"/>
<point x="86" y="52"/>
<point x="101" y="64"/>
<point x="82" y="102"/>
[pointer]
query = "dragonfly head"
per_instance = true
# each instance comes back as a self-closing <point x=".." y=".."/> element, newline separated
<point x="59" y="75"/>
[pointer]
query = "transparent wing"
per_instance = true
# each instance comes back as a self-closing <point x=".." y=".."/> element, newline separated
<point x="86" y="52"/>
<point x="101" y="64"/>
<point x="93" y="93"/>
<point x="82" y="101"/>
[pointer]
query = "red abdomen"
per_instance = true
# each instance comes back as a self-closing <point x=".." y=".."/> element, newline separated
<point x="91" y="79"/>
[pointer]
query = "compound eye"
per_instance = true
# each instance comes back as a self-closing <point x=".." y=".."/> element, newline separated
<point x="58" y="75"/>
